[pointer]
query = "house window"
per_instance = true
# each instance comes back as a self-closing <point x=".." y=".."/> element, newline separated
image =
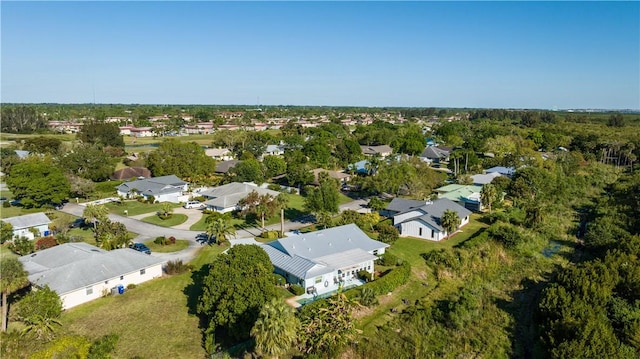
<point x="318" y="279"/>
<point x="375" y="252"/>
<point x="89" y="290"/>
<point x="420" y="231"/>
<point x="142" y="271"/>
<point x="433" y="233"/>
<point x="369" y="268"/>
<point x="121" y="277"/>
<point x="106" y="282"/>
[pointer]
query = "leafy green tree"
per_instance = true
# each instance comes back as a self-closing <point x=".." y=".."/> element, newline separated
<point x="22" y="119"/>
<point x="101" y="133"/>
<point x="38" y="181"/>
<point x="262" y="205"/>
<point x="166" y="210"/>
<point x="90" y="162"/>
<point x="111" y="235"/>
<point x="42" y="144"/>
<point x="93" y="213"/>
<point x="325" y="197"/>
<point x="220" y="229"/>
<point x="235" y="290"/>
<point x="22" y="246"/>
<point x="248" y="171"/>
<point x="274" y="166"/>
<point x="616" y="120"/>
<point x="40" y="310"/>
<point x="276" y="329"/>
<point x="488" y="195"/>
<point x="450" y="221"/>
<point x="13" y="277"/>
<point x="387" y="233"/>
<point x="68" y="346"/>
<point x="6" y="232"/>
<point x="329" y="329"/>
<point x="183" y="159"/>
<point x="80" y="187"/>
<point x="376" y="204"/>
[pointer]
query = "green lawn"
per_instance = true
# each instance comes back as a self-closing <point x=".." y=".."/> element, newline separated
<point x="202" y="226"/>
<point x="180" y="245"/>
<point x="135" y="208"/>
<point x="174" y="220"/>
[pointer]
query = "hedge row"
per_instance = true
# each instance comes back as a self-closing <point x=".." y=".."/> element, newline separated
<point x="390" y="281"/>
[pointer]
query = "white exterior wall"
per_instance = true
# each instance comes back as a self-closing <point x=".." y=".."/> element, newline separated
<point x="404" y="216"/>
<point x="77" y="297"/>
<point x="222" y="210"/>
<point x="412" y="229"/>
<point x="333" y="279"/>
<point x="25" y="232"/>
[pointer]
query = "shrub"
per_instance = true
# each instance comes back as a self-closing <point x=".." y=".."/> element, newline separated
<point x="200" y="198"/>
<point x="279" y="280"/>
<point x="172" y="240"/>
<point x="389" y="260"/>
<point x="274" y="187"/>
<point x="391" y="280"/>
<point x="131" y="286"/>
<point x="366" y="297"/>
<point x="364" y="275"/>
<point x="177" y="267"/>
<point x="45" y="242"/>
<point x="6" y="204"/>
<point x="387" y="232"/>
<point x="270" y="235"/>
<point x="160" y="240"/>
<point x="506" y="234"/>
<point x="296" y="289"/>
<point x="151" y="199"/>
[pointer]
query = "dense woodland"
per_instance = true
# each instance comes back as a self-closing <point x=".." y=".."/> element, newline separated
<point x="555" y="273"/>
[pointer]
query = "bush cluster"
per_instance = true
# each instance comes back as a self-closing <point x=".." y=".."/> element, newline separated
<point x="389" y="260"/>
<point x="279" y="280"/>
<point x="506" y="234"/>
<point x="45" y="242"/>
<point x="177" y="267"/>
<point x="271" y="235"/>
<point x="164" y="241"/>
<point x="390" y="281"/>
<point x="296" y="289"/>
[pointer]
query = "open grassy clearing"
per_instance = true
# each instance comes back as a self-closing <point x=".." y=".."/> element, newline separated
<point x="178" y="246"/>
<point x="174" y="220"/>
<point x="135" y="208"/>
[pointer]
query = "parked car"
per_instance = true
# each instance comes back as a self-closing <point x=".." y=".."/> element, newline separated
<point x="194" y="204"/>
<point x="140" y="247"/>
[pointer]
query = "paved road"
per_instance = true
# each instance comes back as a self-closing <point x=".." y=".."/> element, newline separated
<point x="147" y="231"/>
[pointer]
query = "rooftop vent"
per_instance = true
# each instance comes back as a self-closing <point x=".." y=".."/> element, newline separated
<point x="428" y="202"/>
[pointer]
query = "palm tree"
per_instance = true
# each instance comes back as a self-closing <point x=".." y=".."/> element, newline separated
<point x="488" y="194"/>
<point x="93" y="213"/>
<point x="166" y="210"/>
<point x="450" y="221"/>
<point x="221" y="229"/>
<point x="276" y="330"/>
<point x="42" y="326"/>
<point x="12" y="278"/>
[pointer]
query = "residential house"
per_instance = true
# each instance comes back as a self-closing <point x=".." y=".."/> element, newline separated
<point x="163" y="189"/>
<point x="131" y="172"/>
<point x="141" y="131"/>
<point x="435" y="154"/>
<point x="505" y="171"/>
<point x="219" y="154"/>
<point x="273" y="150"/>
<point x="223" y="167"/>
<point x="80" y="272"/>
<point x="484" y="178"/>
<point x="382" y="150"/>
<point x="422" y="219"/>
<point x="342" y="177"/>
<point x="226" y="198"/>
<point x="126" y="130"/>
<point x="201" y="128"/>
<point x="361" y="167"/>
<point x="467" y="196"/>
<point x="25" y="226"/>
<point x="326" y="260"/>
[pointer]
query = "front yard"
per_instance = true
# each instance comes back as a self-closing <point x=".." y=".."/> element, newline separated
<point x="135" y="208"/>
<point x="174" y="220"/>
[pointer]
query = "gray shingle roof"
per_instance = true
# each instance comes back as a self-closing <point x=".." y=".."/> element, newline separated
<point x="28" y="220"/>
<point x="433" y="212"/>
<point x="230" y="194"/>
<point x="72" y="266"/>
<point x="311" y="254"/>
<point x="225" y="166"/>
<point x="372" y="150"/>
<point x="402" y="205"/>
<point x="154" y="186"/>
<point x="435" y="152"/>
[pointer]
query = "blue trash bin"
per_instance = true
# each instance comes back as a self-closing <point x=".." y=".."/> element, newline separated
<point x="120" y="289"/>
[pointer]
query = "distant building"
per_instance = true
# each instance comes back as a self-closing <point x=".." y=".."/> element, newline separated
<point x="163" y="189"/>
<point x="24" y="226"/>
<point x="226" y="198"/>
<point x="382" y="150"/>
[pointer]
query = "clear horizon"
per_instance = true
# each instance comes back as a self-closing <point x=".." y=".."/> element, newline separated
<point x="515" y="55"/>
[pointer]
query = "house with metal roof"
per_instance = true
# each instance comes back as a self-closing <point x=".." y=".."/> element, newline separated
<point x="505" y="171"/>
<point x="423" y="219"/>
<point x="80" y="272"/>
<point x="325" y="260"/>
<point x="25" y="226"/>
<point x="226" y="198"/>
<point x="484" y="178"/>
<point x="163" y="189"/>
<point x="467" y="196"/>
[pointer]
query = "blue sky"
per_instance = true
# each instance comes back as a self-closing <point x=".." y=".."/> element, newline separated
<point x="441" y="54"/>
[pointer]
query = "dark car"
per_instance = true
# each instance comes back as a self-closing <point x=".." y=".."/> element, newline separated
<point x="140" y="247"/>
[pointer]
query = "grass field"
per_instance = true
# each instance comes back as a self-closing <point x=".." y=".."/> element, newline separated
<point x="178" y="246"/>
<point x="174" y="220"/>
<point x="135" y="208"/>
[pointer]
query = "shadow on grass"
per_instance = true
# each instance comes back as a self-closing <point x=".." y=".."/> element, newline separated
<point x="523" y="308"/>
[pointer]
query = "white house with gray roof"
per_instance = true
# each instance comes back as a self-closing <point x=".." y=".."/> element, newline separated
<point x="163" y="189"/>
<point x="421" y="219"/>
<point x="322" y="261"/>
<point x="80" y="272"/>
<point x="24" y="226"/>
<point x="225" y="198"/>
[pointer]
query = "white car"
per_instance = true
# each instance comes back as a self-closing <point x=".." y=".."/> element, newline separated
<point x="194" y="204"/>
